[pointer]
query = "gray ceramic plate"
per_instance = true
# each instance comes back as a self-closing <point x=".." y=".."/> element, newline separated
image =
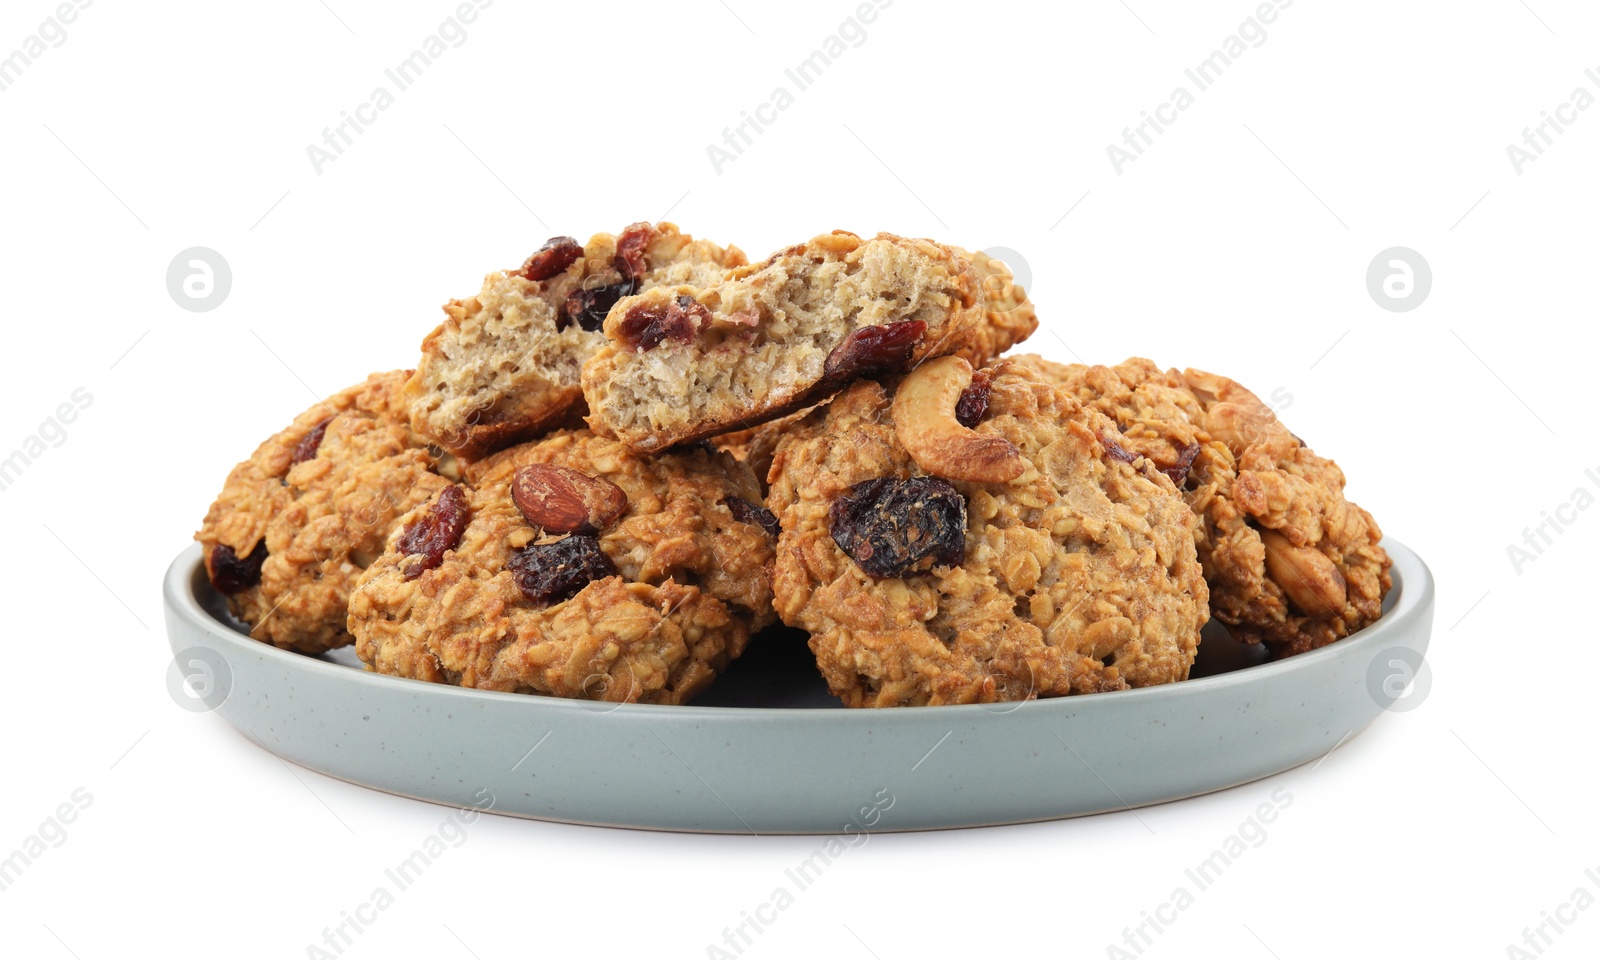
<point x="767" y="750"/>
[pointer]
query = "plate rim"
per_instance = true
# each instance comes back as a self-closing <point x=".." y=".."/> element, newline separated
<point x="1413" y="594"/>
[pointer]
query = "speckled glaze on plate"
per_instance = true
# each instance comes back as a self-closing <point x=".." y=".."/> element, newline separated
<point x="767" y="750"/>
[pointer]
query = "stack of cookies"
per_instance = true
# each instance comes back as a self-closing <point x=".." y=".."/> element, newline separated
<point x="616" y="464"/>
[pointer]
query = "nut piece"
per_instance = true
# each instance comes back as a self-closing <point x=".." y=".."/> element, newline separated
<point x="1239" y="425"/>
<point x="925" y="423"/>
<point x="1310" y="579"/>
<point x="563" y="500"/>
<point x="1234" y="415"/>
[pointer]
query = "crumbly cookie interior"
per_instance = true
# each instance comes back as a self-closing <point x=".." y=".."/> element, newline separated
<point x="764" y="351"/>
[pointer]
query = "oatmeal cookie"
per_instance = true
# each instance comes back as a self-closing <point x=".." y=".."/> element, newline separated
<point x="681" y="364"/>
<point x="756" y="445"/>
<point x="573" y="567"/>
<point x="297" y="522"/>
<point x="1291" y="563"/>
<point x="965" y="538"/>
<point x="504" y="366"/>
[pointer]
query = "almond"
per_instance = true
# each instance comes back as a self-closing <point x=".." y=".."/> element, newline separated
<point x="562" y="500"/>
<point x="1310" y="579"/>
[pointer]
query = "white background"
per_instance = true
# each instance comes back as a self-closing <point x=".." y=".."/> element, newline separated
<point x="1238" y="243"/>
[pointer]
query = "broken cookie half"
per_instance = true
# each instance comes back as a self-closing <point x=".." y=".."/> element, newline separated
<point x="504" y="367"/>
<point x="687" y="363"/>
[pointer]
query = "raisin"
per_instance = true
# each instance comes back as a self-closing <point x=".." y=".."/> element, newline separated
<point x="588" y="308"/>
<point x="436" y="531"/>
<point x="310" y="443"/>
<point x="557" y="254"/>
<point x="973" y="404"/>
<point x="552" y="572"/>
<point x="231" y="573"/>
<point x="871" y="350"/>
<point x="746" y="512"/>
<point x="647" y="324"/>
<point x="1179" y="472"/>
<point x="629" y="260"/>
<point x="889" y="527"/>
<point x="1117" y="451"/>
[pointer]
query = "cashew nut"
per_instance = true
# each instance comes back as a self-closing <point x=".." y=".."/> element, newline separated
<point x="1310" y="579"/>
<point x="925" y="422"/>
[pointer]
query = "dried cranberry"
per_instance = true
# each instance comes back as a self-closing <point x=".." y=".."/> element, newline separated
<point x="1117" y="451"/>
<point x="889" y="527"/>
<point x="871" y="350"/>
<point x="310" y="443"/>
<point x="1179" y="472"/>
<point x="630" y="261"/>
<point x="588" y="308"/>
<point x="746" y="512"/>
<point x="436" y="531"/>
<point x="973" y="404"/>
<point x="231" y="573"/>
<point x="647" y="324"/>
<point x="557" y="254"/>
<point x="552" y="572"/>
